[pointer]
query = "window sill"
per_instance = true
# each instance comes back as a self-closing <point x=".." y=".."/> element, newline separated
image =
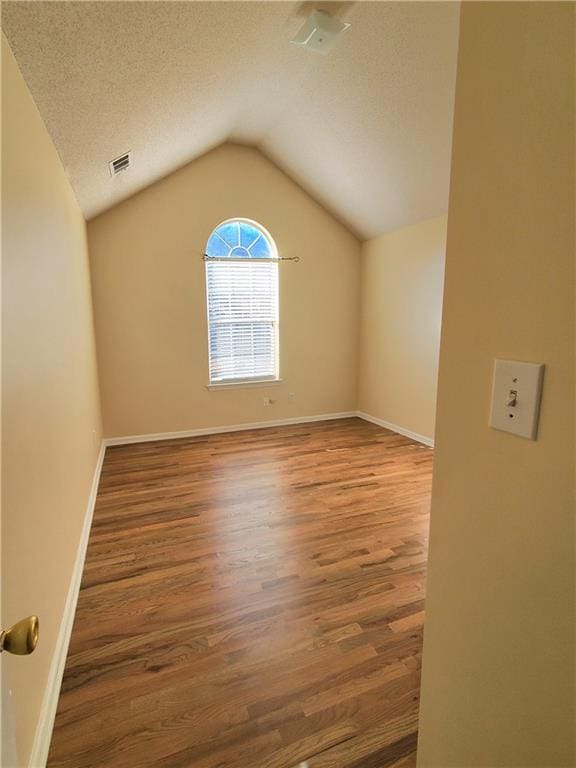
<point x="243" y="384"/>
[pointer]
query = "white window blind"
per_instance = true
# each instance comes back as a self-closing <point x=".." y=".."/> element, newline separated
<point x="242" y="292"/>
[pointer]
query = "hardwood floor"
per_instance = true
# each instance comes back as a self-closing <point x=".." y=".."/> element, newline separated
<point x="251" y="599"/>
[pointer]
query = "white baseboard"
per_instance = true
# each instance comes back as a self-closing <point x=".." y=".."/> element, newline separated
<point x="43" y="735"/>
<point x="429" y="441"/>
<point x="231" y="428"/>
<point x="148" y="438"/>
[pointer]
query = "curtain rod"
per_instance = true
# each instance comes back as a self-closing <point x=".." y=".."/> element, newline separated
<point x="205" y="257"/>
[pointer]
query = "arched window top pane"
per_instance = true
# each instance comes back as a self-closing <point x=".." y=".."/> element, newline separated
<point x="240" y="239"/>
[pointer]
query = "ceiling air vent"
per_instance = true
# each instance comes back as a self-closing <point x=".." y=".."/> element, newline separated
<point x="119" y="164"/>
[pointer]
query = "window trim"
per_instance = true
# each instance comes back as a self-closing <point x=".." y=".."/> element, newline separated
<point x="256" y="381"/>
<point x="244" y="383"/>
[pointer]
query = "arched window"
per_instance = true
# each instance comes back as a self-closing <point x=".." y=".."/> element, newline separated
<point x="242" y="297"/>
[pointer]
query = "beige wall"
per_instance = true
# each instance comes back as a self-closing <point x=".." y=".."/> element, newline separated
<point x="51" y="429"/>
<point x="498" y="676"/>
<point x="150" y="310"/>
<point x="401" y="309"/>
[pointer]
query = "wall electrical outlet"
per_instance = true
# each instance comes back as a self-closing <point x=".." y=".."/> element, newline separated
<point x="268" y="401"/>
<point x="291" y="396"/>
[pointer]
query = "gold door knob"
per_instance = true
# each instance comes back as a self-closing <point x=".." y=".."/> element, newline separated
<point x="21" y="638"/>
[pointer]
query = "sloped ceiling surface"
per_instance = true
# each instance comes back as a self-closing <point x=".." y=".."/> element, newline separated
<point x="365" y="129"/>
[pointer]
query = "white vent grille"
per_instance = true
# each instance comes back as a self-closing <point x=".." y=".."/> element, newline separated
<point x="120" y="164"/>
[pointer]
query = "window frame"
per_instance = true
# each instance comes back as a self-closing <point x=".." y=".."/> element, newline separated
<point x="252" y="381"/>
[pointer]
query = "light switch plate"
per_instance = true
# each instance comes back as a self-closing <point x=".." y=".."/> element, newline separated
<point x="520" y="384"/>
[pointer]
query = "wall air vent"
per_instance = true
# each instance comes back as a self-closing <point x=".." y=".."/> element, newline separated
<point x="119" y="164"/>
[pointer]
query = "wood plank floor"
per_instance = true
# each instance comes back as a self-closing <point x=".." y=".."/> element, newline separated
<point x="251" y="599"/>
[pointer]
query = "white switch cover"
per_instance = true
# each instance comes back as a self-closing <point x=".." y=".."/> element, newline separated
<point x="516" y="392"/>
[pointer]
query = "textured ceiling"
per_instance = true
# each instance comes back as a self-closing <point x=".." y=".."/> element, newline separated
<point x="366" y="129"/>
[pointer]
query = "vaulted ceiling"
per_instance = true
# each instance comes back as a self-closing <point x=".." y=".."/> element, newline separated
<point x="365" y="129"/>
